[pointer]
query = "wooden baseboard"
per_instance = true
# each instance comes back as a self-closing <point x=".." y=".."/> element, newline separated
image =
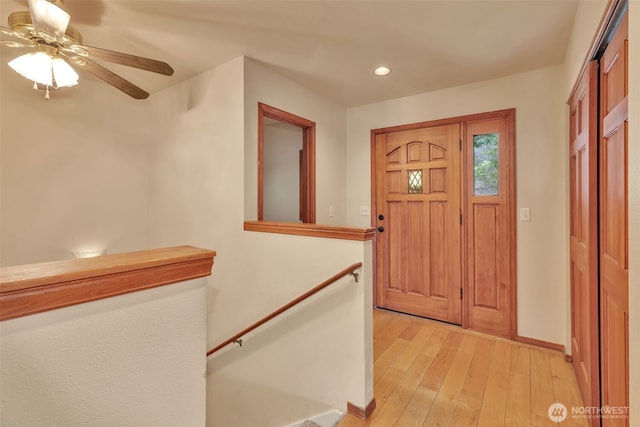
<point x="567" y="358"/>
<point x="541" y="343"/>
<point x="359" y="412"/>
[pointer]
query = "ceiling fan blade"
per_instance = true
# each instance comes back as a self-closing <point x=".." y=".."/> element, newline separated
<point x="49" y="18"/>
<point x="108" y="76"/>
<point x="126" y="59"/>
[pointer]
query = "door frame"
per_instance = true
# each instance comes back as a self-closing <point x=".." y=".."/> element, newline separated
<point x="509" y="114"/>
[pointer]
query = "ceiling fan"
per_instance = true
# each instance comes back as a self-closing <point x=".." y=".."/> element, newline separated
<point x="45" y="27"/>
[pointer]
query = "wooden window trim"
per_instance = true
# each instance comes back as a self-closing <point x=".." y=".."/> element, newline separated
<point x="308" y="206"/>
<point x="35" y="288"/>
<point x="311" y="230"/>
<point x="441" y="122"/>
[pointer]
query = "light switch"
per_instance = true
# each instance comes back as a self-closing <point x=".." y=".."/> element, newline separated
<point x="525" y="214"/>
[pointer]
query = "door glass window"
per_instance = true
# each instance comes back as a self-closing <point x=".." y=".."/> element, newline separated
<point x="415" y="181"/>
<point x="485" y="164"/>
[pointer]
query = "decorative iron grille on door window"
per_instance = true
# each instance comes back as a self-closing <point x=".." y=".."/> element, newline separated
<point x="415" y="181"/>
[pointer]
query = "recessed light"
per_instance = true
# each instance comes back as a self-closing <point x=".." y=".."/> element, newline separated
<point x="382" y="71"/>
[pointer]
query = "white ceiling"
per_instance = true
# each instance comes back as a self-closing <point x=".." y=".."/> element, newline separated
<point x="328" y="46"/>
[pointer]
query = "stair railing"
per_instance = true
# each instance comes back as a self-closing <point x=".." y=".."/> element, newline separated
<point x="237" y="338"/>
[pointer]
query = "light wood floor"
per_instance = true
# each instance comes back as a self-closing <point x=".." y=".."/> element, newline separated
<point x="428" y="373"/>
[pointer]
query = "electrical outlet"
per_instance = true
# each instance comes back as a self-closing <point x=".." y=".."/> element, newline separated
<point x="331" y="211"/>
<point x="364" y="210"/>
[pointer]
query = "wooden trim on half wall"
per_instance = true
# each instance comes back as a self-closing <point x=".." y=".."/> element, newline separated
<point x="35" y="288"/>
<point x="311" y="230"/>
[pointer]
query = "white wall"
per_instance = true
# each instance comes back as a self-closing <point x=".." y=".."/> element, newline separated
<point x="131" y="360"/>
<point x="312" y="360"/>
<point x="73" y="172"/>
<point x="196" y="163"/>
<point x="262" y="84"/>
<point x="281" y="172"/>
<point x="197" y="181"/>
<point x="588" y="16"/>
<point x="541" y="163"/>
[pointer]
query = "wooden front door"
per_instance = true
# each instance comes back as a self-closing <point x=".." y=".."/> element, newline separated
<point x="583" y="175"/>
<point x="418" y="255"/>
<point x="614" y="254"/>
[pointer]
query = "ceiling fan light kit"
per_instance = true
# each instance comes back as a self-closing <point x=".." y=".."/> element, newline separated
<point x="58" y="45"/>
<point x="45" y="70"/>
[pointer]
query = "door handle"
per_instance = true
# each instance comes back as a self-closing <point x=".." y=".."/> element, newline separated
<point x="381" y="229"/>
<point x="380" y="217"/>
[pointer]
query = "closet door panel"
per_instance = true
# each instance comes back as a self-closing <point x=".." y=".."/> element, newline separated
<point x="584" y="235"/>
<point x="614" y="248"/>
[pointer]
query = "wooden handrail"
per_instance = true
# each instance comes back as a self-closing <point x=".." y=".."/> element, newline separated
<point x="348" y="270"/>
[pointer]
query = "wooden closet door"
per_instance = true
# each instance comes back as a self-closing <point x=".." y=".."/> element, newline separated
<point x="583" y="107"/>
<point x="614" y="255"/>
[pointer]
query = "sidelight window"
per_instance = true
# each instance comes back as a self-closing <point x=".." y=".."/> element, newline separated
<point x="485" y="164"/>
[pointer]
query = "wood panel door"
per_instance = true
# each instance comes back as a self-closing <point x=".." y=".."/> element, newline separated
<point x="614" y="255"/>
<point x="583" y="178"/>
<point x="417" y="184"/>
<point x="490" y="225"/>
